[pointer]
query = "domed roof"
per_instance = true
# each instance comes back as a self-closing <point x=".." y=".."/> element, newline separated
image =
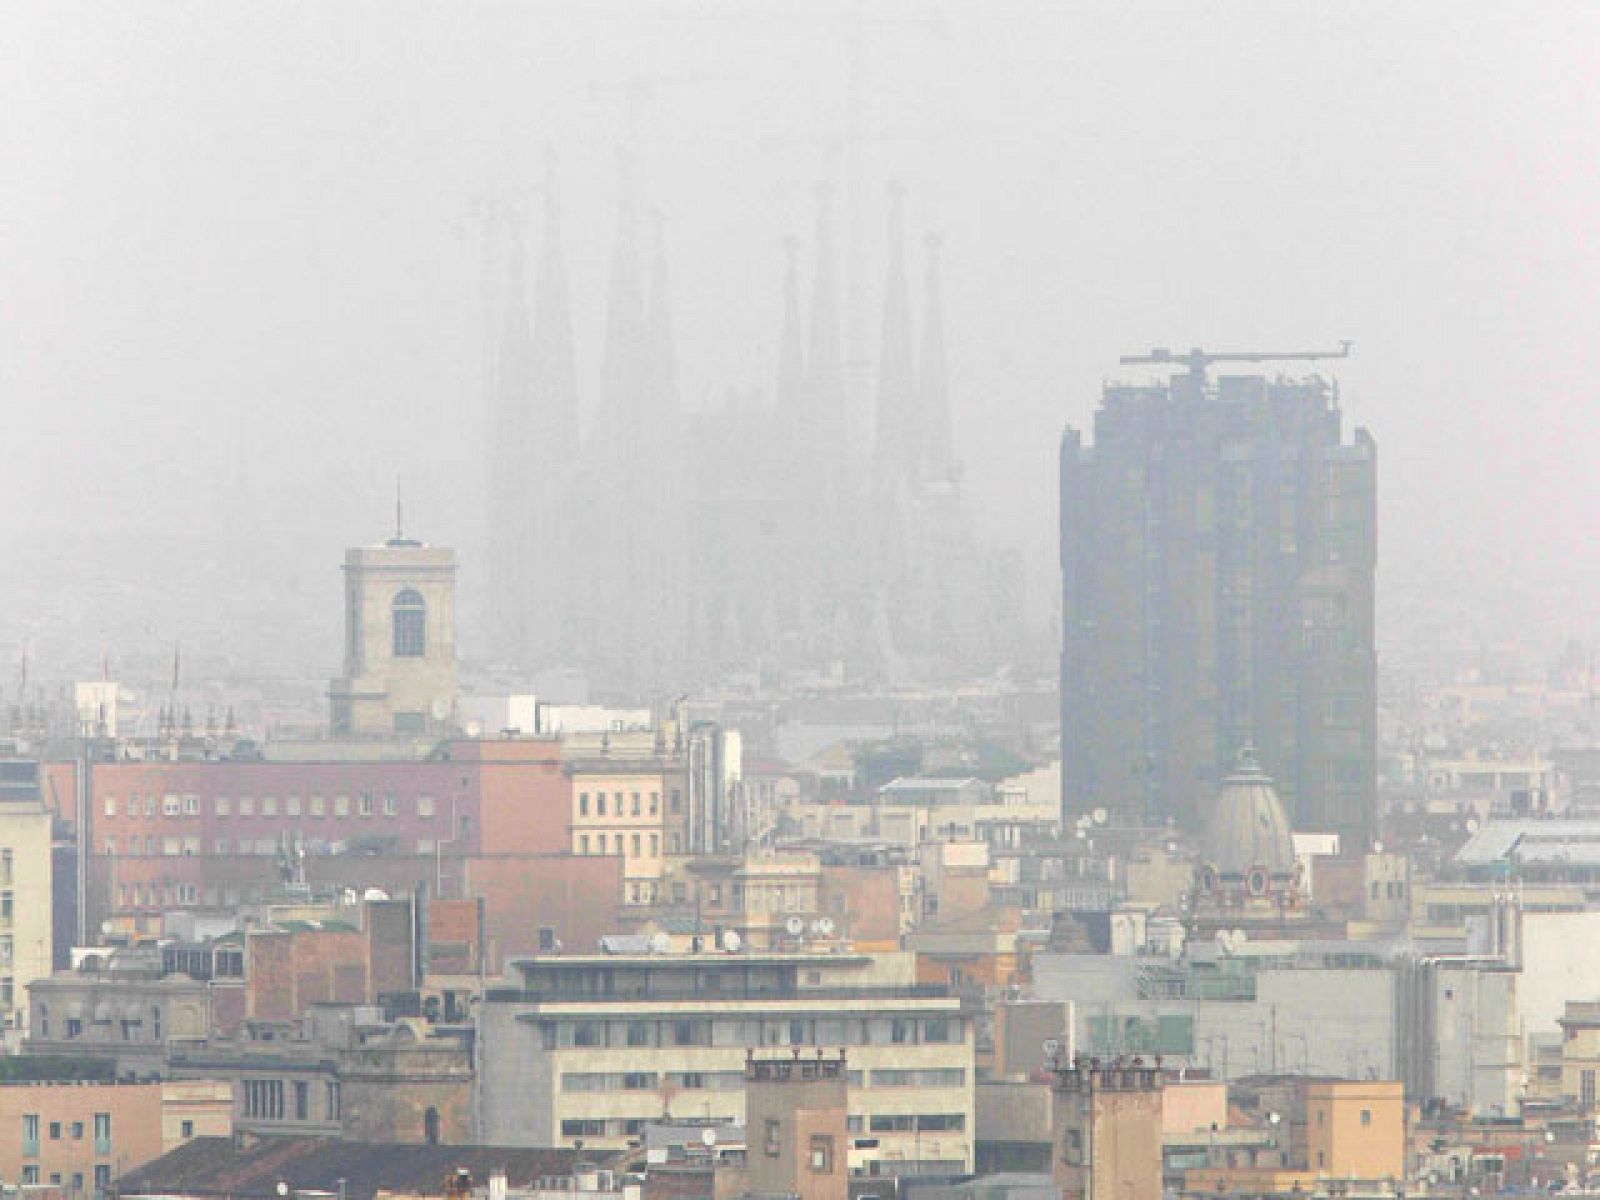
<point x="1248" y="827"/>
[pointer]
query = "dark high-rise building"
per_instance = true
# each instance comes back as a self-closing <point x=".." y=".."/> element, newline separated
<point x="1217" y="555"/>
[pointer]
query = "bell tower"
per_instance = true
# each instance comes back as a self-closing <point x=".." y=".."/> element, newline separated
<point x="399" y="641"/>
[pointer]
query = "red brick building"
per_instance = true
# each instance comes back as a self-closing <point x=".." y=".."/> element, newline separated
<point x="474" y="818"/>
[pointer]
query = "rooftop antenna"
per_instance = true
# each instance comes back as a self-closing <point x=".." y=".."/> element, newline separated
<point x="399" y="513"/>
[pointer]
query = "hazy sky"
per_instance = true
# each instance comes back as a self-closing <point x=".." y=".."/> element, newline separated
<point x="240" y="243"/>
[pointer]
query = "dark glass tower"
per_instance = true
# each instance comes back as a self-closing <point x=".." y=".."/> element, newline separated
<point x="1217" y="555"/>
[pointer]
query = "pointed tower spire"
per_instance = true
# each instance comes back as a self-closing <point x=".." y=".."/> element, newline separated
<point x="896" y="447"/>
<point x="938" y="443"/>
<point x="555" y="391"/>
<point x="625" y="348"/>
<point x="663" y="367"/>
<point x="824" y="362"/>
<point x="791" y="353"/>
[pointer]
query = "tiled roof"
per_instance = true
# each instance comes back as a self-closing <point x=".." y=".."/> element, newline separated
<point x="215" y="1166"/>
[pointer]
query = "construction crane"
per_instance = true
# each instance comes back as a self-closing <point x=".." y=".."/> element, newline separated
<point x="1197" y="360"/>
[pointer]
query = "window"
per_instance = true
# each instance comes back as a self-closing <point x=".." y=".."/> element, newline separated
<point x="389" y="807"/>
<point x="302" y="1100"/>
<point x="636" y="840"/>
<point x="77" y="1131"/>
<point x="655" y="803"/>
<point x="291" y="806"/>
<point x="149" y="806"/>
<point x="191" y="806"/>
<point x="635" y="807"/>
<point x="655" y="845"/>
<point x="599" y="804"/>
<point x="771" y="1141"/>
<point x="263" y="1099"/>
<point x="30" y="1174"/>
<point x="247" y="806"/>
<point x="676" y="804"/>
<point x="30" y="1133"/>
<point x="583" y="804"/>
<point x="638" y="1033"/>
<point x="639" y="1081"/>
<point x="586" y="1033"/>
<point x="222" y="845"/>
<point x="111" y="806"/>
<point x="936" y="1030"/>
<point x="364" y="804"/>
<point x="583" y="843"/>
<point x="44" y="1022"/>
<point x="269" y="806"/>
<point x="102" y="1173"/>
<point x="600" y="843"/>
<point x="410" y="625"/>
<point x="187" y="1129"/>
<point x="341" y="806"/>
<point x="170" y="806"/>
<point x="331" y="1100"/>
<point x="319" y="806"/>
<point x="1586" y="1089"/>
<point x="55" y="1131"/>
<point x="220" y="806"/>
<point x="1366" y="1117"/>
<point x="425" y="806"/>
<point x="821" y="1154"/>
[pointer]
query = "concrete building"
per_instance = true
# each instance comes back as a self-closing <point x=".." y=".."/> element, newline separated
<point x="27" y="904"/>
<point x="81" y="1136"/>
<point x="797" y="1112"/>
<point x="399" y="641"/>
<point x="1107" y="1122"/>
<point x="591" y="1048"/>
<point x="620" y="808"/>
<point x="1217" y="554"/>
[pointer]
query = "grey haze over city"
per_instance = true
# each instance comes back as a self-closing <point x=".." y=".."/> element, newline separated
<point x="243" y="287"/>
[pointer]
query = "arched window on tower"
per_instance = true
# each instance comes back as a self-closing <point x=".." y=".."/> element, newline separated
<point x="410" y="625"/>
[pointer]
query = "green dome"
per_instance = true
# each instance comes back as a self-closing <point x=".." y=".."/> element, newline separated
<point x="1248" y="826"/>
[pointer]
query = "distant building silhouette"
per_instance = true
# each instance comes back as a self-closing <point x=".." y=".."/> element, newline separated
<point x="1217" y="555"/>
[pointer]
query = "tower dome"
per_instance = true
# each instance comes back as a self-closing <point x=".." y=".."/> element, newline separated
<point x="1248" y="827"/>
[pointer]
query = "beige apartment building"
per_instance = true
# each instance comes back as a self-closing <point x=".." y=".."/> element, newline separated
<point x="590" y="1048"/>
<point x="26" y="904"/>
<point x="81" y="1136"/>
<point x="620" y="809"/>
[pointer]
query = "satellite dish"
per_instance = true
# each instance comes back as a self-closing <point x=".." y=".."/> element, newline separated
<point x="731" y="941"/>
<point x="473" y="729"/>
<point x="823" y="926"/>
<point x="1377" y="847"/>
<point x="440" y="708"/>
<point x="107" y="927"/>
<point x="795" y="926"/>
<point x="1052" y="1047"/>
<point x="1100" y="816"/>
<point x="659" y="943"/>
<point x="1472" y="824"/>
<point x="708" y="1137"/>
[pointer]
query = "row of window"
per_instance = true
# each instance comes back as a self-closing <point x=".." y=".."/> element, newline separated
<point x="150" y="846"/>
<point x="618" y="844"/>
<point x="366" y="805"/>
<point x="733" y="1081"/>
<point x="102" y="1177"/>
<point x="139" y="895"/>
<point x="742" y="1031"/>
<point x="132" y="1025"/>
<point x="618" y="804"/>
<point x="574" y="1127"/>
<point x="271" y="1100"/>
<point x="60" y="1130"/>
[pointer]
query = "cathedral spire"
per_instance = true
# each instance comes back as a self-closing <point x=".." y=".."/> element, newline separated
<point x="663" y="354"/>
<point x="554" y="375"/>
<point x="626" y="338"/>
<point x="896" y="441"/>
<point x="937" y="450"/>
<point x="791" y="354"/>
<point x="824" y="362"/>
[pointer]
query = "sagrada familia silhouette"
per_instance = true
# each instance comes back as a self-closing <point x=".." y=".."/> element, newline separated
<point x="665" y="548"/>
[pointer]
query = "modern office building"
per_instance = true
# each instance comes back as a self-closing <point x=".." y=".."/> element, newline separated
<point x="591" y="1048"/>
<point x="1217" y="554"/>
